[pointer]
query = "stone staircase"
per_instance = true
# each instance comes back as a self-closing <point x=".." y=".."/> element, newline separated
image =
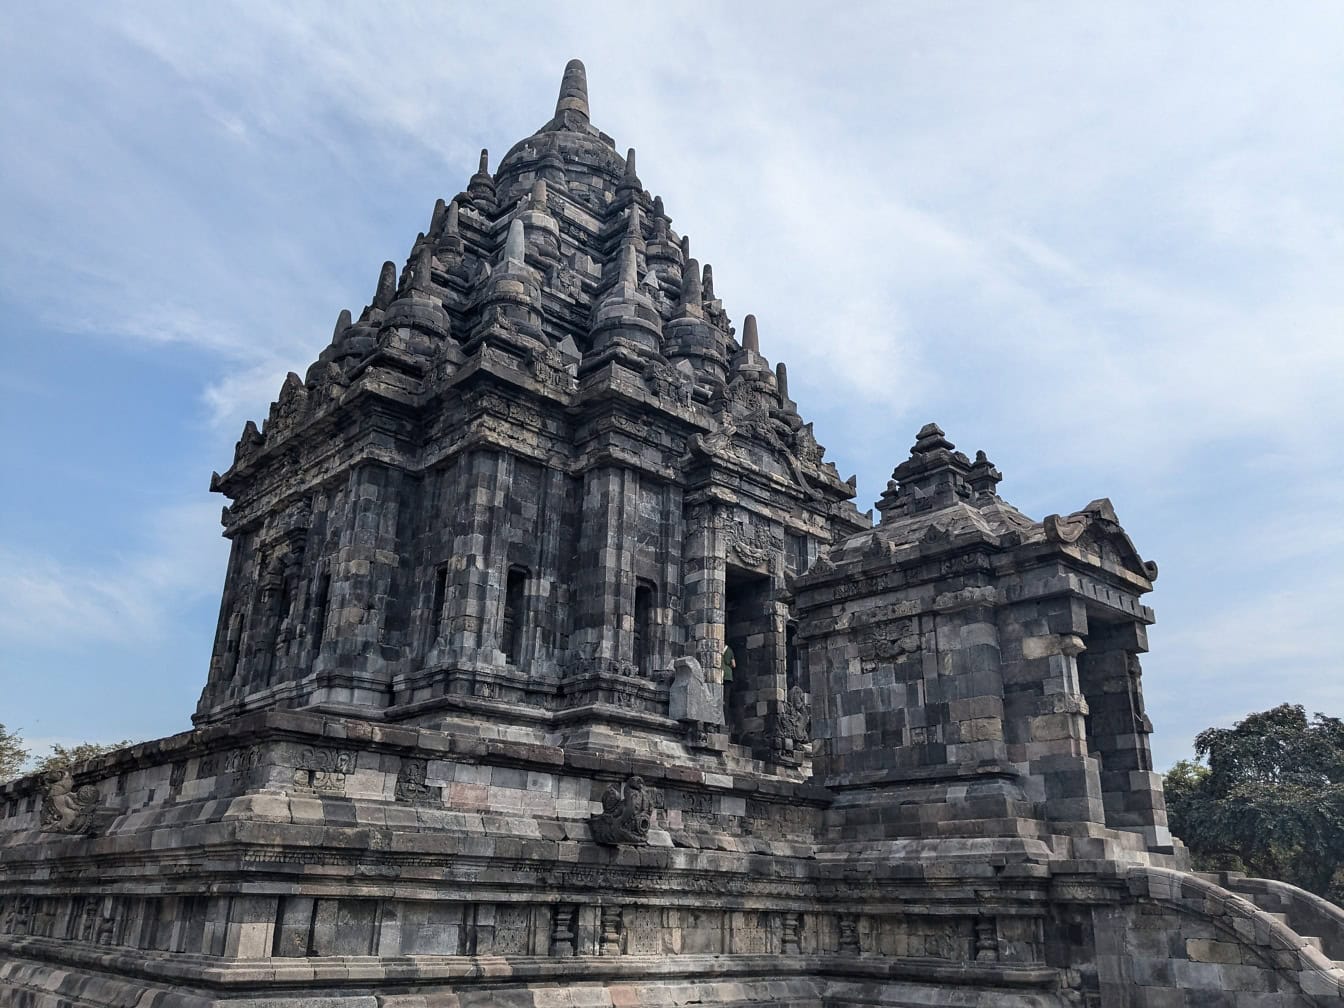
<point x="1319" y="922"/>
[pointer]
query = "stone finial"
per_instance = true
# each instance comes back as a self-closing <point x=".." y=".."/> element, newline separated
<point x="387" y="286"/>
<point x="634" y="228"/>
<point x="573" y="90"/>
<point x="343" y="322"/>
<point x="686" y="251"/>
<point x="930" y="438"/>
<point x="537" y="196"/>
<point x="422" y="272"/>
<point x="751" y="340"/>
<point x="983" y="476"/>
<point x="437" y="218"/>
<point x="514" y="244"/>
<point x="707" y="282"/>
<point x="657" y="201"/>
<point x="481" y="185"/>
<point x="782" y="379"/>
<point x="692" y="296"/>
<point x="450" y="226"/>
<point x="630" y="180"/>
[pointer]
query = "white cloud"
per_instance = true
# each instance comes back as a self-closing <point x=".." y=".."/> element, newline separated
<point x="122" y="599"/>
<point x="1106" y="242"/>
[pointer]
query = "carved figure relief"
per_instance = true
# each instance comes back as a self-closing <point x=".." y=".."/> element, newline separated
<point x="550" y="368"/>
<point x="411" y="783"/>
<point x="795" y="719"/>
<point x="324" y="769"/>
<point x="626" y="816"/>
<point x="669" y="383"/>
<point x="67" y="809"/>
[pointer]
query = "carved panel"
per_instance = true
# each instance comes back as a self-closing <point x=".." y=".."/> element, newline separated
<point x="324" y="770"/>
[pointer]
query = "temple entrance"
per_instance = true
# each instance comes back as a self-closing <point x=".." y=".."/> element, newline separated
<point x="749" y="632"/>
<point x="1117" y="728"/>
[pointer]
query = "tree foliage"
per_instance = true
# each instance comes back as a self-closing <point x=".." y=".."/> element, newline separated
<point x="13" y="753"/>
<point x="61" y="757"/>
<point x="16" y="759"/>
<point x="1267" y="799"/>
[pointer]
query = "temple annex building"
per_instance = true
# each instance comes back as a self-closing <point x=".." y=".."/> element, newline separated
<point x="556" y="667"/>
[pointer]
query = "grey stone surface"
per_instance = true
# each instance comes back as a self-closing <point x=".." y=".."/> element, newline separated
<point x="555" y="666"/>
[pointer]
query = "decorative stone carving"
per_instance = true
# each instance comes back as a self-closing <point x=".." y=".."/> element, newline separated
<point x="670" y="383"/>
<point x="411" y="786"/>
<point x="794" y="721"/>
<point x="609" y="943"/>
<point x="849" y="934"/>
<point x="791" y="933"/>
<point x="67" y="809"/>
<point x="1064" y="530"/>
<point x="564" y="929"/>
<point x="551" y="368"/>
<point x="324" y="770"/>
<point x="626" y="816"/>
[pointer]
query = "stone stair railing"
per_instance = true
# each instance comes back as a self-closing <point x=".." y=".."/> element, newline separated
<point x="1315" y="973"/>
<point x="1318" y="920"/>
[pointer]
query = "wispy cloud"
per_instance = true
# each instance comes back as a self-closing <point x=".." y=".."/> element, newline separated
<point x="124" y="598"/>
<point x="1103" y="244"/>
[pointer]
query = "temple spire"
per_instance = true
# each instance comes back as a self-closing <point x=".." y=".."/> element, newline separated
<point x="573" y="91"/>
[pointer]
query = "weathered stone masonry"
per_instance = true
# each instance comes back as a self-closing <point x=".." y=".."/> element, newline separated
<point x="555" y="666"/>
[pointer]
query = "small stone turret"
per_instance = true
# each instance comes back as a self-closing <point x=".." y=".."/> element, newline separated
<point x="481" y="187"/>
<point x="626" y="322"/>
<point x="418" y="313"/>
<point x="689" y="336"/>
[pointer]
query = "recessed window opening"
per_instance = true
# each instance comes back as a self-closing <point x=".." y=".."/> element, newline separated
<point x="511" y="642"/>
<point x="643" y="627"/>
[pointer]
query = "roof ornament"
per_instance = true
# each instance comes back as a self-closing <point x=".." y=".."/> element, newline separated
<point x="514" y="245"/>
<point x="537" y="196"/>
<point x="436" y="220"/>
<point x="692" y="296"/>
<point x="421" y="274"/>
<point x="630" y="180"/>
<point x="782" y="380"/>
<point x="573" y="98"/>
<point x="481" y="185"/>
<point x="707" y="282"/>
<point x="751" y="340"/>
<point x="387" y="286"/>
<point x="343" y="322"/>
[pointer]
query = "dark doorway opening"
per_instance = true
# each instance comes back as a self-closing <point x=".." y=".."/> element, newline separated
<point x="749" y="632"/>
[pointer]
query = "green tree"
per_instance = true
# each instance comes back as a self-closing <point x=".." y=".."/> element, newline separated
<point x="60" y="757"/>
<point x="13" y="754"/>
<point x="1268" y="798"/>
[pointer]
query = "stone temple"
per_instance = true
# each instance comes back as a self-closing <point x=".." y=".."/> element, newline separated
<point x="556" y="667"/>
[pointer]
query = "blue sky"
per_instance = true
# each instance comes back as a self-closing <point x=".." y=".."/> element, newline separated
<point x="1105" y="243"/>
